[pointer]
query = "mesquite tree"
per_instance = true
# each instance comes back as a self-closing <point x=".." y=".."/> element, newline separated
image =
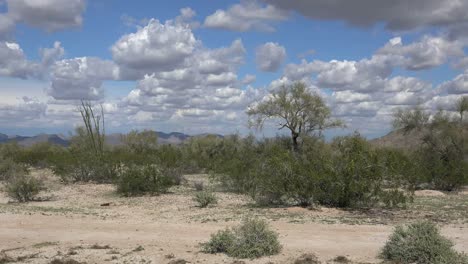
<point x="297" y="109"/>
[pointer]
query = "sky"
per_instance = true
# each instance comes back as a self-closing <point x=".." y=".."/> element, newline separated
<point x="196" y="66"/>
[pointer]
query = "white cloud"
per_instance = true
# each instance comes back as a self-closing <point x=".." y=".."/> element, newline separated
<point x="13" y="62"/>
<point x="155" y="47"/>
<point x="49" y="15"/>
<point x="427" y="53"/>
<point x="80" y="78"/>
<point x="459" y="85"/>
<point x="270" y="56"/>
<point x="246" y="16"/>
<point x="249" y="79"/>
<point x="22" y="110"/>
<point x="50" y="55"/>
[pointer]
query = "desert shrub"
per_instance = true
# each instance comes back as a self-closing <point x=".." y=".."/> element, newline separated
<point x="252" y="239"/>
<point x="420" y="243"/>
<point x="24" y="188"/>
<point x="11" y="169"/>
<point x="201" y="151"/>
<point x="205" y="198"/>
<point x="443" y="150"/>
<point x="346" y="173"/>
<point x="146" y="179"/>
<point x="141" y="142"/>
<point x="199" y="186"/>
<point x="358" y="177"/>
<point x="220" y="242"/>
<point x="40" y="155"/>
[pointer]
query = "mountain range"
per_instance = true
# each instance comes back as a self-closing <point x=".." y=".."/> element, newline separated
<point x="174" y="138"/>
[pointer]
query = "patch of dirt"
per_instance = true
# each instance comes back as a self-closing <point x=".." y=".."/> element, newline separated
<point x="429" y="193"/>
<point x="75" y="226"/>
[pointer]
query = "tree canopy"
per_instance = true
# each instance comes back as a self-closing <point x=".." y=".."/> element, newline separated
<point x="297" y="109"/>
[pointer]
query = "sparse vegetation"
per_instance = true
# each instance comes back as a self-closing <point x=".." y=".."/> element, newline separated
<point x="421" y="243"/>
<point x="147" y="179"/>
<point x="205" y="198"/>
<point x="252" y="239"/>
<point x="24" y="188"/>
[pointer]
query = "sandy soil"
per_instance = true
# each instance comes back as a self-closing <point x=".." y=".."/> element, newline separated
<point x="170" y="227"/>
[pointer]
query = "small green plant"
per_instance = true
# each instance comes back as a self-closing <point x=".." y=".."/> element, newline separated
<point x="421" y="243"/>
<point x="24" y="188"/>
<point x="252" y="239"/>
<point x="139" y="180"/>
<point x="205" y="198"/>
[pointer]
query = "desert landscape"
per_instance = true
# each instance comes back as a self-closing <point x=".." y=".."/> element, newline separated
<point x="168" y="228"/>
<point x="234" y="132"/>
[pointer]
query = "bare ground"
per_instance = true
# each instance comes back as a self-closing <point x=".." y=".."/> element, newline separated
<point x="161" y="229"/>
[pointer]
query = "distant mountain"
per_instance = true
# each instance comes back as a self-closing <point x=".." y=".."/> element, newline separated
<point x="3" y="138"/>
<point x="174" y="138"/>
<point x="29" y="141"/>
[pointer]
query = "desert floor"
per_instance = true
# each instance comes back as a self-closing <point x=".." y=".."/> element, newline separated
<point x="169" y="228"/>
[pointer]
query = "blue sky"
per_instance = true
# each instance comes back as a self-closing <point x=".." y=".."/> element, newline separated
<point x="196" y="66"/>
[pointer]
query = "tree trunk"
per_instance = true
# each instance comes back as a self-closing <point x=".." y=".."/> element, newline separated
<point x="294" y="140"/>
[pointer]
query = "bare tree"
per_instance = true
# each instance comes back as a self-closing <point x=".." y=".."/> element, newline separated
<point x="298" y="109"/>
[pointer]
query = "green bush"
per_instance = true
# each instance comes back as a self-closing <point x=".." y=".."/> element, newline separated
<point x="10" y="169"/>
<point x="220" y="242"/>
<point x="205" y="198"/>
<point x="146" y="179"/>
<point x="359" y="178"/>
<point x="24" y="188"/>
<point x="252" y="239"/>
<point x="421" y="243"/>
<point x="346" y="173"/>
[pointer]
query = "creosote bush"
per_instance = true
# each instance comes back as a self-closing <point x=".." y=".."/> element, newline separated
<point x="205" y="198"/>
<point x="252" y="239"/>
<point x="346" y="173"/>
<point x="11" y="169"/>
<point x="421" y="243"/>
<point x="145" y="179"/>
<point x="24" y="188"/>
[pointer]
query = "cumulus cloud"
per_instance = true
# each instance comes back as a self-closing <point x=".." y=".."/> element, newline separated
<point x="205" y="89"/>
<point x="80" y="78"/>
<point x="50" y="55"/>
<point x="246" y="16"/>
<point x="23" y="109"/>
<point x="459" y="85"/>
<point x="155" y="47"/>
<point x="49" y="15"/>
<point x="395" y="15"/>
<point x="427" y="53"/>
<point x="13" y="62"/>
<point x="270" y="56"/>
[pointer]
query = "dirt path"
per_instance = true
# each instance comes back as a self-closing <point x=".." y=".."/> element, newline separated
<point x="161" y="240"/>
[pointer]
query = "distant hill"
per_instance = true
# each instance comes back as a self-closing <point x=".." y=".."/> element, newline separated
<point x="29" y="141"/>
<point x="398" y="139"/>
<point x="173" y="138"/>
<point x="115" y="139"/>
